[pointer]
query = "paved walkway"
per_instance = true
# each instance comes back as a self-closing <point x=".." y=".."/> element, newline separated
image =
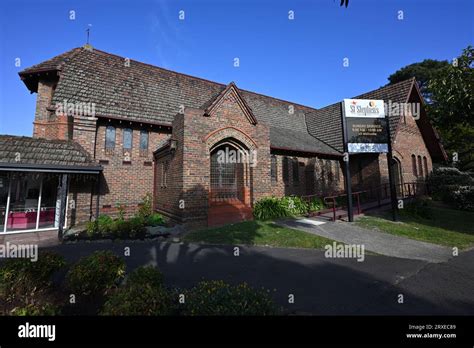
<point x="378" y="242"/>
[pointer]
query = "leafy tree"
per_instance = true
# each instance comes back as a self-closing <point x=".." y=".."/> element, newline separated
<point x="452" y="107"/>
<point x="423" y="72"/>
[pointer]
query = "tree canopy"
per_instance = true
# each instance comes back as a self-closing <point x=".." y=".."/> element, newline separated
<point x="448" y="90"/>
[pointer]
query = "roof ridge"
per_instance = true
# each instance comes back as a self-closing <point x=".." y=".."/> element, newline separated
<point x="201" y="78"/>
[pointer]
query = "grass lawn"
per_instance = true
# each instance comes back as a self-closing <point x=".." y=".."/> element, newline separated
<point x="258" y="233"/>
<point x="448" y="227"/>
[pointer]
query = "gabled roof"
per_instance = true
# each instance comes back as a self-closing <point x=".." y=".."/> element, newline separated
<point x="29" y="153"/>
<point x="128" y="89"/>
<point x="231" y="88"/>
<point x="146" y="93"/>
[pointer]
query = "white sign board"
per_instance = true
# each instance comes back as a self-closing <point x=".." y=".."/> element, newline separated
<point x="364" y="108"/>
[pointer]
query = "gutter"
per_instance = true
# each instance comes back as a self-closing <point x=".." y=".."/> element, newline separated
<point x="50" y="168"/>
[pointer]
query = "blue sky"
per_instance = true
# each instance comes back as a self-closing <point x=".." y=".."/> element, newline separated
<point x="300" y="60"/>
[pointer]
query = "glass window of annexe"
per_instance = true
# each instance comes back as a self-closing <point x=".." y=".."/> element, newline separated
<point x="28" y="201"/>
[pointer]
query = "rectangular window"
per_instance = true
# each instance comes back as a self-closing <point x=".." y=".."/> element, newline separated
<point x="273" y="168"/>
<point x="143" y="140"/>
<point x="296" y="173"/>
<point x="110" y="137"/>
<point x="164" y="174"/>
<point x="286" y="169"/>
<point x="420" y="166"/>
<point x="127" y="138"/>
<point x="426" y="165"/>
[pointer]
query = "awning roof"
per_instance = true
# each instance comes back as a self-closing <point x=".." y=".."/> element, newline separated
<point x="43" y="155"/>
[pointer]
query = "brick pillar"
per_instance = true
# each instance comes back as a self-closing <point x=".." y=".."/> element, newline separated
<point x="41" y="126"/>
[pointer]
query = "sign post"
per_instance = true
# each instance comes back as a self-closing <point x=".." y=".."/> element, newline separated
<point x="366" y="130"/>
<point x="347" y="168"/>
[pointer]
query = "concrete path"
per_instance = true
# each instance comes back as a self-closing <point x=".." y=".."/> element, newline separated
<point x="320" y="285"/>
<point x="378" y="242"/>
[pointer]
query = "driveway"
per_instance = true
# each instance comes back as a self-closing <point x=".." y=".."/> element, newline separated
<point x="320" y="285"/>
<point x="378" y="242"/>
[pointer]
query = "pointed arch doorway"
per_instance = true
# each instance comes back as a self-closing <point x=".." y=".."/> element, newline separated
<point x="230" y="181"/>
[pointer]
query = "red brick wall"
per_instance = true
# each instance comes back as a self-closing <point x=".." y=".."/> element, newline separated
<point x="126" y="182"/>
<point x="47" y="124"/>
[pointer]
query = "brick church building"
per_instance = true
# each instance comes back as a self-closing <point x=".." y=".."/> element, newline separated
<point x="120" y="129"/>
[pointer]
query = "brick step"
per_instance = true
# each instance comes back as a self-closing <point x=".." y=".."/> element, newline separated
<point x="223" y="214"/>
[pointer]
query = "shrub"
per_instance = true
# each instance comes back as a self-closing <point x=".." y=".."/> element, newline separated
<point x="133" y="300"/>
<point x="315" y="204"/>
<point x="104" y="224"/>
<point x="155" y="220"/>
<point x="121" y="211"/>
<point x="146" y="208"/>
<point x="295" y="205"/>
<point x="269" y="208"/>
<point x="92" y="228"/>
<point x="95" y="274"/>
<point x="220" y="298"/>
<point x="137" y="228"/>
<point x="463" y="198"/>
<point x="444" y="180"/>
<point x="145" y="276"/>
<point x="143" y="294"/>
<point x="21" y="278"/>
<point x="46" y="309"/>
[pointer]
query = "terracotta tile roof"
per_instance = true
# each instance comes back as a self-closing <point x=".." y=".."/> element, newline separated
<point x="143" y="92"/>
<point x="43" y="152"/>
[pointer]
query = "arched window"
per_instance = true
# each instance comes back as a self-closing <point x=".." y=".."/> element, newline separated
<point x="420" y="166"/>
<point x="110" y="137"/>
<point x="413" y="165"/>
<point x="127" y="138"/>
<point x="425" y="161"/>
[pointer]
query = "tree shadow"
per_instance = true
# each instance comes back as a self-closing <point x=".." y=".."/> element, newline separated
<point x="319" y="285"/>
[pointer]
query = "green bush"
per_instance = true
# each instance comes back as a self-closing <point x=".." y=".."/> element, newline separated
<point x="96" y="274"/>
<point x="273" y="208"/>
<point x="315" y="204"/>
<point x="145" y="276"/>
<point x="143" y="294"/>
<point x="295" y="205"/>
<point x="133" y="300"/>
<point x="46" y="309"/>
<point x="91" y="229"/>
<point x="270" y="208"/>
<point x="444" y="180"/>
<point x="20" y="279"/>
<point x="137" y="228"/>
<point x="146" y="208"/>
<point x="463" y="198"/>
<point x="220" y="298"/>
<point x="155" y="220"/>
<point x="104" y="224"/>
